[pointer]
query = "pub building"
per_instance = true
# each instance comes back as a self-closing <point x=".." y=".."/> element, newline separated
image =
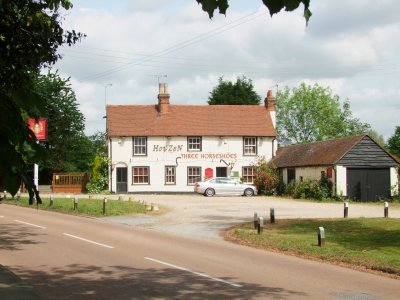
<point x="167" y="148"/>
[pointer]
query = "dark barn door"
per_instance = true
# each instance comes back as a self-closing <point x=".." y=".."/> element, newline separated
<point x="368" y="184"/>
<point x="122" y="180"/>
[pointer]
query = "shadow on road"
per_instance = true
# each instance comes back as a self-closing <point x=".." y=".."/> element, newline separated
<point x="12" y="236"/>
<point x="121" y="282"/>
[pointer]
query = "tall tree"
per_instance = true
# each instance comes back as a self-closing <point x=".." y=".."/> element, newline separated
<point x="274" y="6"/>
<point x="393" y="144"/>
<point x="65" y="123"/>
<point x="312" y="113"/>
<point x="30" y="34"/>
<point x="239" y="93"/>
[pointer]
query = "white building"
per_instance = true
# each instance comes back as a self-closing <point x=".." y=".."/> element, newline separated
<point x="167" y="148"/>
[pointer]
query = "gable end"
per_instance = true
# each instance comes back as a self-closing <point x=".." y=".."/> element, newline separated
<point x="367" y="153"/>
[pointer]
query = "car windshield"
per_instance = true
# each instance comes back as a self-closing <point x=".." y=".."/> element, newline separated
<point x="223" y="180"/>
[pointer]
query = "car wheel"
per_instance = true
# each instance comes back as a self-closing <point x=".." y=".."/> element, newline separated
<point x="248" y="192"/>
<point x="209" y="192"/>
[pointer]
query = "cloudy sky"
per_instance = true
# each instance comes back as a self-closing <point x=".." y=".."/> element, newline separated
<point x="350" y="46"/>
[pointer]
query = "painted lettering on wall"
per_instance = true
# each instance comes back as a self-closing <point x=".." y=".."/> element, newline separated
<point x="208" y="155"/>
<point x="167" y="148"/>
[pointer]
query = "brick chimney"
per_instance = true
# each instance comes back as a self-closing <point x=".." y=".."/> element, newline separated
<point x="163" y="98"/>
<point x="270" y="105"/>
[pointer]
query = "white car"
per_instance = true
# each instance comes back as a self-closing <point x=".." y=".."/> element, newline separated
<point x="224" y="186"/>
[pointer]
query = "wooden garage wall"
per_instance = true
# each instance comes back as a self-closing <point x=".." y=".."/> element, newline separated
<point x="367" y="154"/>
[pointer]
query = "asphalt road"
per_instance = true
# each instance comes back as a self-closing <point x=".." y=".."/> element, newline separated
<point x="67" y="257"/>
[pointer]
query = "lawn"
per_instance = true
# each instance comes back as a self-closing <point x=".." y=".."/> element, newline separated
<point x="90" y="207"/>
<point x="367" y="243"/>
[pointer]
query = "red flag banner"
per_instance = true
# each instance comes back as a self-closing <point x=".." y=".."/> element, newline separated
<point x="38" y="128"/>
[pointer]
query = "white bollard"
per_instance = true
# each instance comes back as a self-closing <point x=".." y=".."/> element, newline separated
<point x="321" y="236"/>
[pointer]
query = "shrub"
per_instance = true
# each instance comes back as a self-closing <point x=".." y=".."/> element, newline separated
<point x="266" y="179"/>
<point x="99" y="179"/>
<point x="314" y="189"/>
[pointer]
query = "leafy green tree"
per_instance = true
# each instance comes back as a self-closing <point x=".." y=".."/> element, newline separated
<point x="30" y="34"/>
<point x="239" y="93"/>
<point x="99" y="174"/>
<point x="312" y="113"/>
<point x="274" y="6"/>
<point x="69" y="150"/>
<point x="378" y="138"/>
<point x="393" y="144"/>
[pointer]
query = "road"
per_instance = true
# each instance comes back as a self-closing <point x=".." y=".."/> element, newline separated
<point x="205" y="217"/>
<point x="68" y="257"/>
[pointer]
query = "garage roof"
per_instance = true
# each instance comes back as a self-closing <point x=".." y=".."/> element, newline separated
<point x="321" y="153"/>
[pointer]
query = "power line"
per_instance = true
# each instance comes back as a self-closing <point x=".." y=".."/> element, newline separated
<point x="178" y="46"/>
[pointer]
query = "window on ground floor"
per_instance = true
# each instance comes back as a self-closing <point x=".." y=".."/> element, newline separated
<point x="140" y="175"/>
<point x="170" y="175"/>
<point x="248" y="174"/>
<point x="193" y="175"/>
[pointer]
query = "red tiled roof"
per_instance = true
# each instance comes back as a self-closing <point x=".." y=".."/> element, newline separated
<point x="315" y="154"/>
<point x="187" y="120"/>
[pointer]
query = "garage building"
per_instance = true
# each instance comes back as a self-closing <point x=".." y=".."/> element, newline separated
<point x="358" y="167"/>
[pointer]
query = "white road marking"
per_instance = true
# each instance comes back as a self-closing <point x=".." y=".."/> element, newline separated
<point x="89" y="241"/>
<point x="30" y="224"/>
<point x="194" y="272"/>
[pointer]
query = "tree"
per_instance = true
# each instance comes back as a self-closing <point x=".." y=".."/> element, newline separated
<point x="393" y="144"/>
<point x="378" y="138"/>
<point x="99" y="168"/>
<point x="312" y="113"/>
<point x="274" y="6"/>
<point x="30" y="34"/>
<point x="239" y="93"/>
<point x="69" y="150"/>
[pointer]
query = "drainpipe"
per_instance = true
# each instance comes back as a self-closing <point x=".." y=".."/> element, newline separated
<point x="273" y="147"/>
<point x="110" y="167"/>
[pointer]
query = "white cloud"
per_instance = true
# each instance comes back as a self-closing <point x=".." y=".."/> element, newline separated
<point x="350" y="46"/>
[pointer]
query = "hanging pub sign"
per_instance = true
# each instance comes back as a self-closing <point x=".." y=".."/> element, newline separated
<point x="38" y="128"/>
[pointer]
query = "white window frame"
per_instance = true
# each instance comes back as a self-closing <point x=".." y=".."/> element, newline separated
<point x="194" y="143"/>
<point x="249" y="146"/>
<point x="170" y="175"/>
<point x="145" y="177"/>
<point x="191" y="177"/>
<point x="248" y="172"/>
<point x="139" y="145"/>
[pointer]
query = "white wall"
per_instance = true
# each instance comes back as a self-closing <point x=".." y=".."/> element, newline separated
<point x="162" y="152"/>
<point x="394" y="181"/>
<point x="341" y="180"/>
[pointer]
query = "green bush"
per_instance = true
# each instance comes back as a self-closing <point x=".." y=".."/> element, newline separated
<point x="99" y="179"/>
<point x="266" y="179"/>
<point x="310" y="189"/>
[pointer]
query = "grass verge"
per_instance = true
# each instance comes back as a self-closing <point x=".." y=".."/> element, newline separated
<point x="90" y="207"/>
<point x="365" y="243"/>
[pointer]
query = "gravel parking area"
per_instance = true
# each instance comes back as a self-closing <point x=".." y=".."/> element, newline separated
<point x="204" y="217"/>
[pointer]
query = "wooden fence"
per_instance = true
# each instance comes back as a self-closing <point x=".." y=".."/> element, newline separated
<point x="69" y="182"/>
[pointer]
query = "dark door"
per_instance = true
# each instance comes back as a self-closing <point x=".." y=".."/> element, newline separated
<point x="291" y="174"/>
<point x="122" y="180"/>
<point x="368" y="184"/>
<point x="221" y="172"/>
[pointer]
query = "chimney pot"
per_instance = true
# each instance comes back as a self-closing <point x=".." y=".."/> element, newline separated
<point x="270" y="101"/>
<point x="163" y="98"/>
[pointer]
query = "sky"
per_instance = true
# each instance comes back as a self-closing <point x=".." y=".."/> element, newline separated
<point x="352" y="47"/>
